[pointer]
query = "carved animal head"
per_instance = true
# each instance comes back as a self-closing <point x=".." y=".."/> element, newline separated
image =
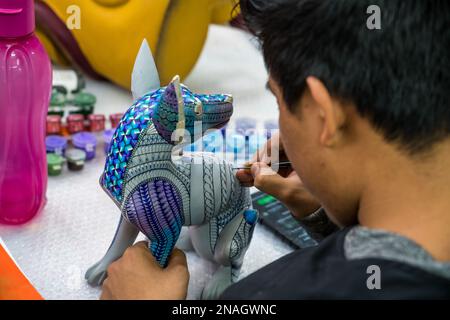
<point x="168" y="109"/>
<point x="180" y="108"/>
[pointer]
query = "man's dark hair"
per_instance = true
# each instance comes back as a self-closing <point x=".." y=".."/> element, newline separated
<point x="397" y="76"/>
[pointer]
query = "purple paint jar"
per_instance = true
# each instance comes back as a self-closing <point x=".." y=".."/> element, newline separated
<point x="56" y="144"/>
<point x="243" y="126"/>
<point x="271" y="127"/>
<point x="107" y="138"/>
<point x="87" y="142"/>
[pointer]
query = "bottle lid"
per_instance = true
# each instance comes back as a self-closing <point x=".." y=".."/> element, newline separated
<point x="245" y="125"/>
<point x="96" y="117"/>
<point x="54" y="159"/>
<point x="108" y="135"/>
<point x="75" y="118"/>
<point x="75" y="155"/>
<point x="16" y="18"/>
<point x="84" y="140"/>
<point x="54" y="118"/>
<point x="84" y="99"/>
<point x="55" y="143"/>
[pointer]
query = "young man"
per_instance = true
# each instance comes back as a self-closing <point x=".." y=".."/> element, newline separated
<point x="365" y="121"/>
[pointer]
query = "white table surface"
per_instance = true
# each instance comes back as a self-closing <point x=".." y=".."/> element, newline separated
<point x="75" y="228"/>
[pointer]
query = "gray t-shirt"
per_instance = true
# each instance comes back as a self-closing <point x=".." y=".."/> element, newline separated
<point x="362" y="242"/>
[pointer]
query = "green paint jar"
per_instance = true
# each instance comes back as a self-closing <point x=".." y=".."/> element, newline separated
<point x="84" y="99"/>
<point x="75" y="159"/>
<point x="55" y="164"/>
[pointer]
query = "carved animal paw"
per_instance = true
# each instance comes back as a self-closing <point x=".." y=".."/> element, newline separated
<point x="184" y="242"/>
<point x="218" y="284"/>
<point x="96" y="274"/>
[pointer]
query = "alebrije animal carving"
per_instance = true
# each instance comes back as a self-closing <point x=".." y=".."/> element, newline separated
<point x="158" y="196"/>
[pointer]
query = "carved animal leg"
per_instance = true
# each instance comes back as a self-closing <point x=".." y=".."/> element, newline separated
<point x="229" y="252"/>
<point x="125" y="236"/>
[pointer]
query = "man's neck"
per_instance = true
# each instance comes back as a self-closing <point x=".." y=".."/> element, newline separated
<point x="411" y="198"/>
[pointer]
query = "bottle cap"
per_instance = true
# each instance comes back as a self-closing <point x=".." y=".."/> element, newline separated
<point x="54" y="159"/>
<point x="243" y="125"/>
<point x="56" y="144"/>
<point x="84" y="99"/>
<point x="271" y="125"/>
<point x="84" y="140"/>
<point x="75" y="155"/>
<point x="16" y="18"/>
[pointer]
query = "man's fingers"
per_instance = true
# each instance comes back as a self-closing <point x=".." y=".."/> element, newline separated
<point x="177" y="258"/>
<point x="141" y="244"/>
<point x="106" y="294"/>
<point x="268" y="181"/>
<point x="245" y="177"/>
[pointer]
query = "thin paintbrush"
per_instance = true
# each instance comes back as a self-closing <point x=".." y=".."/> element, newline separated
<point x="285" y="164"/>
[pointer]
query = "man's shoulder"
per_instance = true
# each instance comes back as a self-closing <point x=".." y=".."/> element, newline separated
<point x="324" y="272"/>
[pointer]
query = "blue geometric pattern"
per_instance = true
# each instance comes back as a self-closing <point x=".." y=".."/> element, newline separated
<point x="155" y="207"/>
<point x="126" y="137"/>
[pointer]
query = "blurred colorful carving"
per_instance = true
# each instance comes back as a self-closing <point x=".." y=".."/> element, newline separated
<point x="111" y="31"/>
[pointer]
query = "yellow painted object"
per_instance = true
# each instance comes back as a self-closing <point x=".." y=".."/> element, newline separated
<point x="111" y="31"/>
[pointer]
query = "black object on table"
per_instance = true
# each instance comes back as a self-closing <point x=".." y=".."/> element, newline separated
<point x="278" y="218"/>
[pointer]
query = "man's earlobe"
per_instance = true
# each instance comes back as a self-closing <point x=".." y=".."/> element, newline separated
<point x="332" y="117"/>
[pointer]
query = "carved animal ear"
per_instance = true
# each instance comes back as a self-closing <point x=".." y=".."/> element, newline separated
<point x="172" y="96"/>
<point x="145" y="77"/>
<point x="169" y="113"/>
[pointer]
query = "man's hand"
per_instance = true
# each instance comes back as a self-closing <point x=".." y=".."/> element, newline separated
<point x="137" y="276"/>
<point x="285" y="185"/>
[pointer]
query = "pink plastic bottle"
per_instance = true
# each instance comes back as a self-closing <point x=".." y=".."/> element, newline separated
<point x="25" y="88"/>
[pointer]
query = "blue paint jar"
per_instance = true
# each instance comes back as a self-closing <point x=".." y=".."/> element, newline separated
<point x="56" y="144"/>
<point x="87" y="142"/>
<point x="107" y="138"/>
<point x="256" y="143"/>
<point x="235" y="143"/>
<point x="271" y="127"/>
<point x="213" y="142"/>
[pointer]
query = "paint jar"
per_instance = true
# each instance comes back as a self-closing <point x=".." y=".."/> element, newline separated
<point x="75" y="123"/>
<point x="53" y="125"/>
<point x="56" y="144"/>
<point x="107" y="138"/>
<point x="75" y="159"/>
<point x="255" y="143"/>
<point x="243" y="125"/>
<point x="235" y="143"/>
<point x="58" y="99"/>
<point x="96" y="122"/>
<point x="87" y="142"/>
<point x="84" y="99"/>
<point x="115" y="119"/>
<point x="55" y="164"/>
<point x="271" y="127"/>
<point x="213" y="142"/>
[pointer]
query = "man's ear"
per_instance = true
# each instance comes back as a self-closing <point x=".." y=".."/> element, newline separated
<point x="331" y="112"/>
